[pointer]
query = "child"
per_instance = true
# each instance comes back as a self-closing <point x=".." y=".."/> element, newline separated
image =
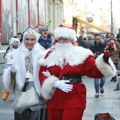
<point x="8" y="57"/>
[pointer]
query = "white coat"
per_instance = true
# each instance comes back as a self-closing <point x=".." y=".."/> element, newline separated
<point x="19" y="67"/>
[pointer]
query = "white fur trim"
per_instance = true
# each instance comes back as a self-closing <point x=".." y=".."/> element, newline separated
<point x="65" y="33"/>
<point x="41" y="61"/>
<point x="106" y="69"/>
<point x="42" y="56"/>
<point x="19" y="59"/>
<point x="6" y="78"/>
<point x="47" y="89"/>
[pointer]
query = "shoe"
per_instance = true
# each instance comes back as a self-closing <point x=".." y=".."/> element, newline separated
<point x="117" y="88"/>
<point x="97" y="95"/>
<point x="101" y="90"/>
<point x="113" y="79"/>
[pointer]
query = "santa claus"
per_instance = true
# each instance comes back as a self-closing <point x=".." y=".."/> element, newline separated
<point x="60" y="71"/>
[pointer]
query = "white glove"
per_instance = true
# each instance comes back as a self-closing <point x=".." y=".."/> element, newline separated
<point x="61" y="84"/>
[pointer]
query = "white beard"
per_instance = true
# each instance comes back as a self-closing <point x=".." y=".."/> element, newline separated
<point x="63" y="48"/>
<point x="64" y="53"/>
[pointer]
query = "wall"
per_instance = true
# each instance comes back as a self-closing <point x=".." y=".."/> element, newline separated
<point x="54" y="13"/>
<point x="17" y="15"/>
<point x="116" y="16"/>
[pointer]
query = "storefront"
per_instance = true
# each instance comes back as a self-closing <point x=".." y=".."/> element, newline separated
<point x="80" y="24"/>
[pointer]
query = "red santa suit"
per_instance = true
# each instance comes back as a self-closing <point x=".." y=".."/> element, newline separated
<point x="68" y="60"/>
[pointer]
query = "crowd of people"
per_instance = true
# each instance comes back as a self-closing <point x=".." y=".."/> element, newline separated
<point x="97" y="43"/>
<point x="53" y="66"/>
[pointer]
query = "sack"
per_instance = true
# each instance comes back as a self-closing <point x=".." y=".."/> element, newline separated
<point x="27" y="99"/>
<point x="103" y="116"/>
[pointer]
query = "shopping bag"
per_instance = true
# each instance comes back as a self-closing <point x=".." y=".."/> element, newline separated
<point x="27" y="99"/>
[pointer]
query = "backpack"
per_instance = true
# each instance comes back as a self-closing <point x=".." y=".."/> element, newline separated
<point x="103" y="116"/>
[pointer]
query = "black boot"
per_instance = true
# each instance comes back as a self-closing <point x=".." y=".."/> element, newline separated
<point x="113" y="79"/>
<point x="117" y="87"/>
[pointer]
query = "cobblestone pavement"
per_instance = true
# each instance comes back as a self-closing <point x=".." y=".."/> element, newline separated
<point x="6" y="108"/>
<point x="108" y="102"/>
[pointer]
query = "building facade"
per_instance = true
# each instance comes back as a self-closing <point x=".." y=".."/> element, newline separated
<point x="17" y="15"/>
<point x="94" y="15"/>
<point x="54" y="13"/>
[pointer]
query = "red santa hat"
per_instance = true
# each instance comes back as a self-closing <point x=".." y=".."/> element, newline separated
<point x="41" y="27"/>
<point x="65" y="32"/>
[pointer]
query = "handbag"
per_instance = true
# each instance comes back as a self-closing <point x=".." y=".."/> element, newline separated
<point x="103" y="116"/>
<point x="27" y="99"/>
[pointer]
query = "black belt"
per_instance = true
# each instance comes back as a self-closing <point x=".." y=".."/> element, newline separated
<point x="73" y="79"/>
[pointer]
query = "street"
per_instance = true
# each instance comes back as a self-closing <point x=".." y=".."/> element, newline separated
<point x="108" y="102"/>
<point x="60" y="40"/>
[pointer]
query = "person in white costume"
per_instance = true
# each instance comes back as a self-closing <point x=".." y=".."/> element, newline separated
<point x="25" y="67"/>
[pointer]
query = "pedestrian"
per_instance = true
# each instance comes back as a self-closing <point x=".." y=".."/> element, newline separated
<point x="25" y="66"/>
<point x="20" y="36"/>
<point x="44" y="40"/>
<point x="97" y="48"/>
<point x="12" y="47"/>
<point x="118" y="35"/>
<point x="81" y="41"/>
<point x="89" y="42"/>
<point x="115" y="55"/>
<point x="59" y="75"/>
<point x="117" y="88"/>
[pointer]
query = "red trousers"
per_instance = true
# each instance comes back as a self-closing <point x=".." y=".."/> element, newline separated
<point x="66" y="114"/>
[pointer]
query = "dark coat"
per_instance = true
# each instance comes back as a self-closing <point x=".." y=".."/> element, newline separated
<point x="97" y="49"/>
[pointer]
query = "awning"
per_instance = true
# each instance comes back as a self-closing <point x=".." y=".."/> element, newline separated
<point x="92" y="25"/>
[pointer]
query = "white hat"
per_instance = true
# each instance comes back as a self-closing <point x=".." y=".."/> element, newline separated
<point x="13" y="40"/>
<point x="65" y="32"/>
<point x="31" y="31"/>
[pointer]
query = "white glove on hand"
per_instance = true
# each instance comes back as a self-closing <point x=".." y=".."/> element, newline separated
<point x="61" y="84"/>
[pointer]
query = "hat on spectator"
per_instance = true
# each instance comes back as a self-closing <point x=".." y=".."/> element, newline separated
<point x="41" y="27"/>
<point x="65" y="32"/>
